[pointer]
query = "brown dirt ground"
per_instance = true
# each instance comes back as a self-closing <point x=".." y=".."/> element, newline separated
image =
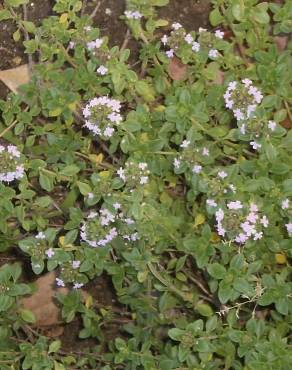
<point x="192" y="14"/>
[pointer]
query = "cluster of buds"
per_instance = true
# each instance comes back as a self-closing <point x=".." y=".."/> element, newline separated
<point x="134" y="174"/>
<point x="241" y="223"/>
<point x="102" y="115"/>
<point x="130" y="14"/>
<point x="179" y="38"/>
<point x="11" y="167"/>
<point x="101" y="228"/>
<point x="242" y="98"/>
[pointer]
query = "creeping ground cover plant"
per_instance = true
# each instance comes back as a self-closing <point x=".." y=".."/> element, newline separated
<point x="167" y="171"/>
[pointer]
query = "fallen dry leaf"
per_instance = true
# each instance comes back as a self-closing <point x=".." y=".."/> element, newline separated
<point x="177" y="70"/>
<point x="281" y="42"/>
<point x="15" y="77"/>
<point x="42" y="303"/>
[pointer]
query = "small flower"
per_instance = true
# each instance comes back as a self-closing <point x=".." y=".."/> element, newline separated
<point x="189" y="38"/>
<point x="222" y="174"/>
<point x="272" y="125"/>
<point x="211" y="203"/>
<point x="164" y="39"/>
<point x="219" y="215"/>
<point x="71" y="45"/>
<point x="77" y="285"/>
<point x="96" y="44"/>
<point x="185" y="144"/>
<point x="238" y="114"/>
<point x="196" y="46"/>
<point x="121" y="173"/>
<point x="176" y="163"/>
<point x="144" y="180"/>
<point x="50" y="252"/>
<point x="142" y="166"/>
<point x="247" y="82"/>
<point x="197" y="169"/>
<point x="170" y="53"/>
<point x="90" y="195"/>
<point x="176" y="26"/>
<point x="40" y="235"/>
<point x="253" y="207"/>
<point x="285" y="204"/>
<point x="219" y="34"/>
<point x="133" y="14"/>
<point x="117" y="206"/>
<point x="255" y="145"/>
<point x="258" y="235"/>
<point x="202" y="30"/>
<point x="102" y="70"/>
<point x="60" y="282"/>
<point x="264" y="221"/>
<point x="213" y="53"/>
<point x="75" y="264"/>
<point x="205" y="152"/>
<point x="235" y="205"/>
<point x="289" y="228"/>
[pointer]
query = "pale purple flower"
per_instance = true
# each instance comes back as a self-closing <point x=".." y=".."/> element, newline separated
<point x="144" y="180"/>
<point x="170" y="53"/>
<point x="219" y="215"/>
<point x="285" y="204"/>
<point x="176" y="163"/>
<point x="247" y="82"/>
<point x="248" y="228"/>
<point x="205" y="152"/>
<point x="242" y="128"/>
<point x="238" y="114"/>
<point x="197" y="168"/>
<point x="176" y="26"/>
<point x="60" y="282"/>
<point x="189" y="38"/>
<point x="219" y="34"/>
<point x="211" y="203"/>
<point x="255" y="145"/>
<point x="232" y="85"/>
<point x="40" y="235"/>
<point x="252" y="217"/>
<point x="50" y="252"/>
<point x="235" y="205"/>
<point x="102" y="70"/>
<point x="117" y="206"/>
<point x="222" y="174"/>
<point x="272" y="125"/>
<point x="264" y="221"/>
<point x="185" y="144"/>
<point x="164" y="39"/>
<point x="289" y="228"/>
<point x="258" y="235"/>
<point x="96" y="44"/>
<point x="77" y="285"/>
<point x="121" y="173"/>
<point x="253" y="207"/>
<point x="133" y="14"/>
<point x="213" y="53"/>
<point x="75" y="264"/>
<point x="196" y="46"/>
<point x="241" y="238"/>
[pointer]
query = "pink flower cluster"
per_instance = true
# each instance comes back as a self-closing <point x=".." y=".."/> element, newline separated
<point x="101" y="115"/>
<point x="251" y="221"/>
<point x="11" y="168"/>
<point x="242" y="98"/>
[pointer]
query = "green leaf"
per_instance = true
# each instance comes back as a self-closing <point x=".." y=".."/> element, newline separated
<point x="145" y="90"/>
<point x="5" y="302"/>
<point x="54" y="346"/>
<point x="216" y="270"/>
<point x="70" y="170"/>
<point x="46" y="181"/>
<point x="204" y="309"/>
<point x="215" y="17"/>
<point x="5" y="14"/>
<point x="175" y="333"/>
<point x="238" y="10"/>
<point x="15" y="3"/>
<point x="27" y="316"/>
<point x="225" y="292"/>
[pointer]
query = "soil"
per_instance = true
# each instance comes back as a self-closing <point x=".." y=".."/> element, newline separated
<point x="191" y="14"/>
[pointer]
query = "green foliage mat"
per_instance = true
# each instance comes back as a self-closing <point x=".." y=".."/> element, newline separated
<point x="171" y="174"/>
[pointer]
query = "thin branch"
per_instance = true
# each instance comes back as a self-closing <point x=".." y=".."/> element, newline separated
<point x="95" y="10"/>
<point x="26" y="36"/>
